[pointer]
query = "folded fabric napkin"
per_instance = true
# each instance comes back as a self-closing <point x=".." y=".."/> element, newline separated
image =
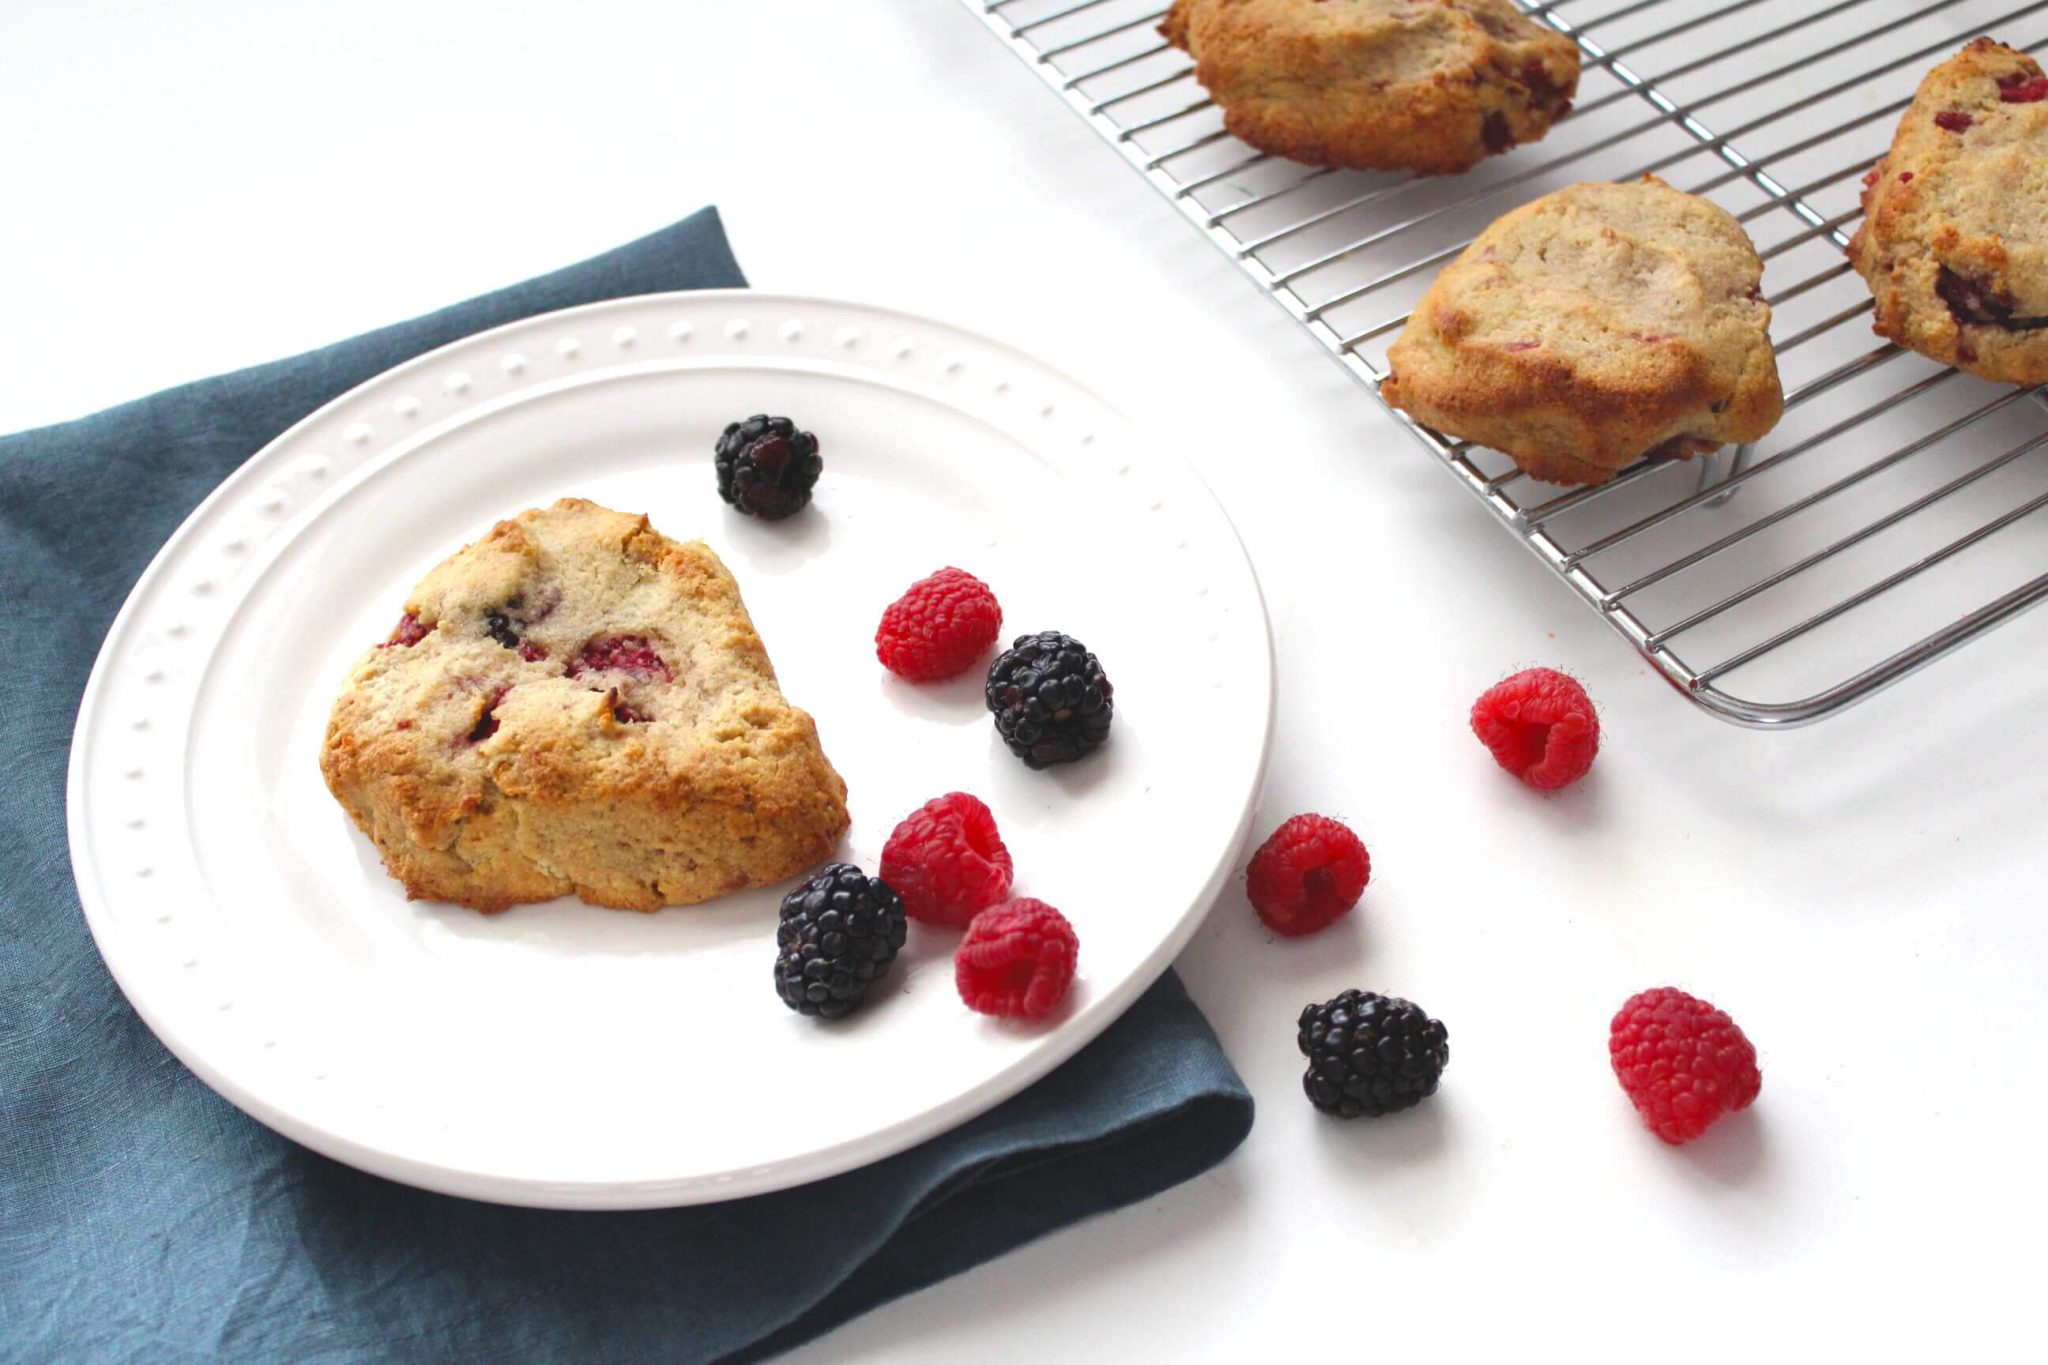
<point x="142" y="1218"/>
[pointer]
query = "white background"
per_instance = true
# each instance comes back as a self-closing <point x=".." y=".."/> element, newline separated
<point x="196" y="187"/>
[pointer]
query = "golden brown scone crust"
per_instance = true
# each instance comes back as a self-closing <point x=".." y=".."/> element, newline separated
<point x="1954" y="242"/>
<point x="1433" y="86"/>
<point x="494" y="761"/>
<point x="1592" y="326"/>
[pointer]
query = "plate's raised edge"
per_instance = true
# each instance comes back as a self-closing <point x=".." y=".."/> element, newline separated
<point x="1070" y="1037"/>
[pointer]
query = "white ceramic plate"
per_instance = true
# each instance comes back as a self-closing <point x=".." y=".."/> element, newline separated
<point x="564" y="1055"/>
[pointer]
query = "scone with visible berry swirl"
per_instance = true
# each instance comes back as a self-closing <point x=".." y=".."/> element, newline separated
<point x="578" y="704"/>
<point x="1954" y="242"/>
<point x="1592" y="327"/>
<point x="1433" y="86"/>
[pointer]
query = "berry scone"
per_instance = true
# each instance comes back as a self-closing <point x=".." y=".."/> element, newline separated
<point x="1434" y="86"/>
<point x="577" y="703"/>
<point x="1591" y="327"/>
<point x="1954" y="242"/>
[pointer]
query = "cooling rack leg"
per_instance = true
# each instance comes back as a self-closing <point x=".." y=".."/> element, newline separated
<point x="1722" y="466"/>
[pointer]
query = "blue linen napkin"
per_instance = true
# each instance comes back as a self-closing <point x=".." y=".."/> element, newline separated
<point x="143" y="1218"/>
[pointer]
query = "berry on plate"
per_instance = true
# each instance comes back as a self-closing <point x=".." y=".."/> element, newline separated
<point x="941" y="627"/>
<point x="1050" y="699"/>
<point x="766" y="467"/>
<point x="947" y="860"/>
<point x="1017" y="960"/>
<point x="1307" y="876"/>
<point x="1682" y="1063"/>
<point x="1540" y="726"/>
<point x="840" y="930"/>
<point x="1370" y="1054"/>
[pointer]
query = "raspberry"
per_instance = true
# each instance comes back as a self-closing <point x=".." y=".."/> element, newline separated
<point x="1953" y="120"/>
<point x="947" y="860"/>
<point x="1540" y="726"/>
<point x="1017" y="960"/>
<point x="1681" y="1062"/>
<point x="407" y="633"/>
<point x="631" y="654"/>
<point x="939" y="628"/>
<point x="2023" y="89"/>
<point x="1307" y="876"/>
<point x="1370" y="1054"/>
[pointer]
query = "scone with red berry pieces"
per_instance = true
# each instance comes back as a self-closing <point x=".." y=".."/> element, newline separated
<point x="1954" y="242"/>
<point x="1434" y="86"/>
<point x="578" y="704"/>
<point x="1592" y="327"/>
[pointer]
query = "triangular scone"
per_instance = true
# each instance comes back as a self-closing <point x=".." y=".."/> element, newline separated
<point x="1592" y="326"/>
<point x="577" y="703"/>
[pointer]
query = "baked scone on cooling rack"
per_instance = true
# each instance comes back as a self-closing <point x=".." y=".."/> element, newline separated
<point x="577" y="703"/>
<point x="1591" y="327"/>
<point x="1954" y="242"/>
<point x="1434" y="86"/>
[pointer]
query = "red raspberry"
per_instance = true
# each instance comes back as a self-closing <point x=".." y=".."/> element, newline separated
<point x="940" y="628"/>
<point x="621" y="654"/>
<point x="1540" y="726"/>
<point x="1017" y="960"/>
<point x="1681" y="1062"/>
<point x="1953" y="120"/>
<point x="1307" y="876"/>
<point x="947" y="860"/>
<point x="407" y="633"/>
<point x="2020" y="88"/>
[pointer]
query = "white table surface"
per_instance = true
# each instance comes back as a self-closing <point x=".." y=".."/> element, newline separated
<point x="196" y="187"/>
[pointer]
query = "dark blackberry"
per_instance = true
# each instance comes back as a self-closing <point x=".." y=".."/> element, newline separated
<point x="840" y="930"/>
<point x="1050" y="699"/>
<point x="1975" y="299"/>
<point x="1370" y="1054"/>
<point x="766" y="467"/>
<point x="500" y="627"/>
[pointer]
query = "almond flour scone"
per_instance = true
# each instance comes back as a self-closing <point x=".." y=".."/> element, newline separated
<point x="577" y="703"/>
<point x="1954" y="242"/>
<point x="1591" y="327"/>
<point x="1433" y="86"/>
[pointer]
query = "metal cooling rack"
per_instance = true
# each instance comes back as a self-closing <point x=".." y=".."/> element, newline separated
<point x="1880" y="525"/>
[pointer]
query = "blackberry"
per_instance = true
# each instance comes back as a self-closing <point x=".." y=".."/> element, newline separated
<point x="1050" y="699"/>
<point x="1370" y="1054"/>
<point x="766" y="467"/>
<point x="840" y="930"/>
<point x="500" y="627"/>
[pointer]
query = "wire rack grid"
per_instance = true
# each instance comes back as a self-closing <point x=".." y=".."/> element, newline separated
<point x="1889" y="519"/>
